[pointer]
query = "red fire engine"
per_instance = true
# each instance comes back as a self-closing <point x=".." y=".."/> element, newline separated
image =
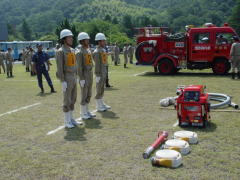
<point x="197" y="48"/>
<point x="193" y="106"/>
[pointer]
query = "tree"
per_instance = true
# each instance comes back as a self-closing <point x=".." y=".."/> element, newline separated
<point x="115" y="20"/>
<point x="65" y="24"/>
<point x="128" y="25"/>
<point x="235" y="18"/>
<point x="108" y="18"/>
<point x="26" y="31"/>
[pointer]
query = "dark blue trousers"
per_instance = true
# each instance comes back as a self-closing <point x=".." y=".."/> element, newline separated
<point x="42" y="71"/>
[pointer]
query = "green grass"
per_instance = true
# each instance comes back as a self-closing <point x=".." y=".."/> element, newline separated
<point x="111" y="146"/>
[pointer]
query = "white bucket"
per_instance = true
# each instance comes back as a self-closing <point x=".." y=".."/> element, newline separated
<point x="177" y="145"/>
<point x="189" y="136"/>
<point x="167" y="158"/>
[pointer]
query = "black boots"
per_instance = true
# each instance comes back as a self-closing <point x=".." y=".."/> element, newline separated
<point x="8" y="74"/>
<point x="125" y="66"/>
<point x="238" y="74"/>
<point x="233" y="75"/>
<point x="11" y="75"/>
<point x="107" y="83"/>
<point x="42" y="90"/>
<point x="52" y="89"/>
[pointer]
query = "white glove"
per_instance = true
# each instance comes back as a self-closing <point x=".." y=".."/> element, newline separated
<point x="98" y="79"/>
<point x="64" y="86"/>
<point x="82" y="83"/>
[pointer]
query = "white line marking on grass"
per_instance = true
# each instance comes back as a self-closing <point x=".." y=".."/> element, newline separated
<point x="175" y="124"/>
<point x="55" y="130"/>
<point x="19" y="80"/>
<point x="62" y="127"/>
<point x="140" y="73"/>
<point x="19" y="109"/>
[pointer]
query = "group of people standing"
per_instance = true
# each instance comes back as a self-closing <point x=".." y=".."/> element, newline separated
<point x="8" y="65"/>
<point x="128" y="52"/>
<point x="76" y="66"/>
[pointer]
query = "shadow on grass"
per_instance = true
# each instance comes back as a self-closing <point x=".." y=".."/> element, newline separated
<point x="43" y="94"/>
<point x="109" y="115"/>
<point x="92" y="123"/>
<point x="75" y="134"/>
<point x="211" y="127"/>
<point x="191" y="74"/>
<point x="111" y="89"/>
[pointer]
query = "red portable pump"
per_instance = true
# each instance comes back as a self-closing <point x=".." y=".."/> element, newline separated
<point x="193" y="106"/>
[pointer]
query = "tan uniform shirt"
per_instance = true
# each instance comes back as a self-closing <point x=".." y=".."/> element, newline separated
<point x="85" y="64"/>
<point x="66" y="62"/>
<point x="9" y="58"/>
<point x="100" y="57"/>
<point x="2" y="57"/>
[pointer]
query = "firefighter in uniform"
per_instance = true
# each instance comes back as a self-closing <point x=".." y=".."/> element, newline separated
<point x="9" y="62"/>
<point x="130" y="53"/>
<point x="2" y="57"/>
<point x="23" y="57"/>
<point x="116" y="54"/>
<point x="125" y="54"/>
<point x="235" y="57"/>
<point x="41" y="66"/>
<point x="100" y="58"/>
<point x="29" y="55"/>
<point x="85" y="73"/>
<point x="67" y="74"/>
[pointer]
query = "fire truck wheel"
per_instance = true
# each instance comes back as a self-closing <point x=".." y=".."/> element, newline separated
<point x="145" y="53"/>
<point x="220" y="67"/>
<point x="166" y="67"/>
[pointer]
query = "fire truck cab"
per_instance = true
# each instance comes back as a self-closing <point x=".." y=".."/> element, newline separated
<point x="193" y="106"/>
<point x="197" y="48"/>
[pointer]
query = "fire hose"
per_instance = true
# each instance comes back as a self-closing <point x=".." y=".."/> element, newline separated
<point x="161" y="138"/>
<point x="223" y="99"/>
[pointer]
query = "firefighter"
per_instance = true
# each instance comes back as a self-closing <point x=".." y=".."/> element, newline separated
<point x="125" y="54"/>
<point x="2" y="57"/>
<point x="9" y="62"/>
<point x="130" y="53"/>
<point x="23" y="57"/>
<point x="67" y="74"/>
<point x="30" y="56"/>
<point x="235" y="57"/>
<point x="116" y="55"/>
<point x="41" y="66"/>
<point x="112" y="52"/>
<point x="27" y="59"/>
<point x="85" y="73"/>
<point x="100" y="58"/>
<point x="107" y="78"/>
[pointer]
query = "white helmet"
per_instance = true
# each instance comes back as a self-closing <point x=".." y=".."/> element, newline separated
<point x="65" y="32"/>
<point x="82" y="36"/>
<point x="100" y="37"/>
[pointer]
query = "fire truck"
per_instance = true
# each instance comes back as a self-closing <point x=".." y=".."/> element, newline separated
<point x="193" y="106"/>
<point x="197" y="48"/>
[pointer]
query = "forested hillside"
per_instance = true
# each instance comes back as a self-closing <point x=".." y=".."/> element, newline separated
<point x="42" y="16"/>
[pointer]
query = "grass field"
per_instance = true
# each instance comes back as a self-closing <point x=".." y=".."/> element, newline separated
<point x="111" y="145"/>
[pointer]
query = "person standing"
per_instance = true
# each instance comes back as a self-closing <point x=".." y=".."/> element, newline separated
<point x="27" y="59"/>
<point x="2" y="57"/>
<point x="30" y="56"/>
<point x="41" y="66"/>
<point x="130" y="53"/>
<point x="9" y="62"/>
<point x="125" y="54"/>
<point x="67" y="74"/>
<point x="100" y="58"/>
<point x="23" y="57"/>
<point x="235" y="57"/>
<point x="85" y="73"/>
<point x="116" y="54"/>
